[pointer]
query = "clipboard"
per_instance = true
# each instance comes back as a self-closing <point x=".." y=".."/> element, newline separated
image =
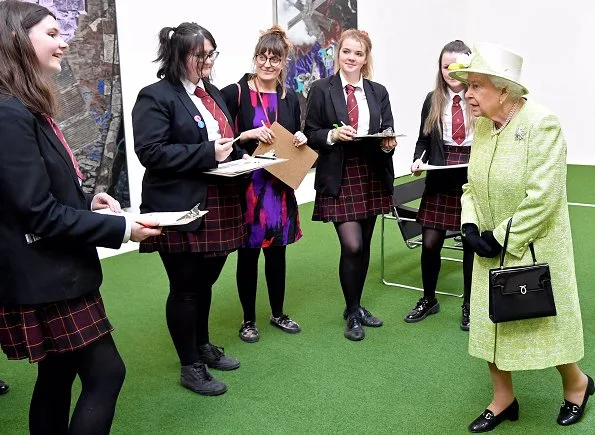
<point x="299" y="159"/>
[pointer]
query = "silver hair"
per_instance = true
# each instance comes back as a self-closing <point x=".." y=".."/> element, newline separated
<point x="515" y="90"/>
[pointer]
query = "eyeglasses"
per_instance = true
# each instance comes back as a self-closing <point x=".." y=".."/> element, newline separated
<point x="212" y="55"/>
<point x="261" y="60"/>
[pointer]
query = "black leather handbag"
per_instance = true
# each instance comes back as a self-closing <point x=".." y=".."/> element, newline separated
<point x="520" y="292"/>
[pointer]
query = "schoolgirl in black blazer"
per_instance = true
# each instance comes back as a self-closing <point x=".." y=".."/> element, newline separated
<point x="51" y="311"/>
<point x="445" y="136"/>
<point x="354" y="179"/>
<point x="182" y="128"/>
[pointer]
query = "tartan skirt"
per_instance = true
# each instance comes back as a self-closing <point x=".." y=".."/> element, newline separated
<point x="361" y="194"/>
<point x="33" y="331"/>
<point x="442" y="209"/>
<point x="222" y="230"/>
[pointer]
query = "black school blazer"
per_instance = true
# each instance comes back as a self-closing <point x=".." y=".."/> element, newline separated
<point x="40" y="194"/>
<point x="288" y="109"/>
<point x="174" y="150"/>
<point x="327" y="106"/>
<point x="433" y="145"/>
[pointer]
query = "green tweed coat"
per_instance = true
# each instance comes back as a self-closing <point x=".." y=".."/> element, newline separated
<point x="521" y="173"/>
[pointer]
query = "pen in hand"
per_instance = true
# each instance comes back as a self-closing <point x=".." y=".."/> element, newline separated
<point x="420" y="158"/>
<point x="265" y="126"/>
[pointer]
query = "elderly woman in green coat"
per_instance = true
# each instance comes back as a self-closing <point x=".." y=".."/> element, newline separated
<point x="517" y="170"/>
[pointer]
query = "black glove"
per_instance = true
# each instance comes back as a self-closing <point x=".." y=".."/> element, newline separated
<point x="478" y="244"/>
<point x="495" y="247"/>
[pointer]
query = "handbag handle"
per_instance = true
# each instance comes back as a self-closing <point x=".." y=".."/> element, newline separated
<point x="531" y="247"/>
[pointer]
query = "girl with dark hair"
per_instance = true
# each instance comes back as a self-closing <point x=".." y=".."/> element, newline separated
<point x="51" y="311"/>
<point x="256" y="101"/>
<point x="354" y="180"/>
<point x="445" y="137"/>
<point x="182" y="129"/>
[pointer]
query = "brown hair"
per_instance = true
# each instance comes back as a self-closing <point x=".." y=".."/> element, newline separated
<point x="20" y="73"/>
<point x="175" y="44"/>
<point x="276" y="42"/>
<point x="363" y="38"/>
<point x="439" y="96"/>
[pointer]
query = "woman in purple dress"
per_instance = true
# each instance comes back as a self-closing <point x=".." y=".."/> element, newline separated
<point x="271" y="212"/>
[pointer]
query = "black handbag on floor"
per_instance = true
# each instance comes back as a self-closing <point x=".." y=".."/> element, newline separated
<point x="520" y="292"/>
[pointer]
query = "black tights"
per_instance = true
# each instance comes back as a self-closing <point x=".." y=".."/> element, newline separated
<point x="101" y="371"/>
<point x="247" y="279"/>
<point x="355" y="238"/>
<point x="191" y="278"/>
<point x="433" y="240"/>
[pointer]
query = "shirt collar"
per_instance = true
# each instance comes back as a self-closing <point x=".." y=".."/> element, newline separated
<point x="344" y="82"/>
<point x="452" y="94"/>
<point x="191" y="87"/>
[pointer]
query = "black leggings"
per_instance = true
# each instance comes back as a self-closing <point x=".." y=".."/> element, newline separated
<point x="433" y="240"/>
<point x="191" y="278"/>
<point x="247" y="279"/>
<point x="355" y="238"/>
<point x="101" y="371"/>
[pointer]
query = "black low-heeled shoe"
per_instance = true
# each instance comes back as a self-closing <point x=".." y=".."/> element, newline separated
<point x="487" y="421"/>
<point x="571" y="413"/>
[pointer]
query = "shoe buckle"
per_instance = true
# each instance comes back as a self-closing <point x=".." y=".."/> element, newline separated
<point x="488" y="416"/>
<point x="575" y="409"/>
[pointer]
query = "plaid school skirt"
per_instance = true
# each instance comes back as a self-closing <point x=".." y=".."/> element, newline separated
<point x="361" y="194"/>
<point x="442" y="209"/>
<point x="222" y="230"/>
<point x="33" y="331"/>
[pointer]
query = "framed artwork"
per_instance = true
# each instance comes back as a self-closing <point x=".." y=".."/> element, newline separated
<point x="314" y="27"/>
<point x="90" y="93"/>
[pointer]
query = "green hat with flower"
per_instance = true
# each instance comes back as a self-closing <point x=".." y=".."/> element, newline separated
<point x="490" y="59"/>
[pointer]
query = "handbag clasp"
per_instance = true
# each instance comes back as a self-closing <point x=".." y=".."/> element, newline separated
<point x="523" y="289"/>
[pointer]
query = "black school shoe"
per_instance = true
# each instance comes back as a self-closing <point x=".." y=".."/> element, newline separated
<point x="571" y="413"/>
<point x="487" y="421"/>
<point x="465" y="317"/>
<point x="353" y="329"/>
<point x="423" y="308"/>
<point x="215" y="358"/>
<point x="3" y="387"/>
<point x="366" y="318"/>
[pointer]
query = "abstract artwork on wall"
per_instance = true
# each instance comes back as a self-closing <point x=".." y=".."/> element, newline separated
<point x="313" y="26"/>
<point x="90" y="93"/>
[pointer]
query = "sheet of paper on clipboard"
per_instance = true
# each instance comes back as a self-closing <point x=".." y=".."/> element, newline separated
<point x="381" y="135"/>
<point x="164" y="218"/>
<point x="244" y="166"/>
<point x="299" y="159"/>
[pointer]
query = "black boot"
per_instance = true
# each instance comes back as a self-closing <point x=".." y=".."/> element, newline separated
<point x="214" y="357"/>
<point x="197" y="378"/>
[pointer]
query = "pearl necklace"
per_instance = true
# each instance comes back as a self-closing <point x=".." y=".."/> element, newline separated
<point x="508" y="118"/>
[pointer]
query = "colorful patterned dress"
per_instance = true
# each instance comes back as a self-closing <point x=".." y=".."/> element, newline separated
<point x="271" y="215"/>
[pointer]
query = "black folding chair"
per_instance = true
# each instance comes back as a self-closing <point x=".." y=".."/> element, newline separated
<point x="405" y="216"/>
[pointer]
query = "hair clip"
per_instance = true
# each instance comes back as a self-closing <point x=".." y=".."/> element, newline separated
<point x="363" y="32"/>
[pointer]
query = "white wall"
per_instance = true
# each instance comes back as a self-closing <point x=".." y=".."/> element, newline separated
<point x="556" y="42"/>
<point x="407" y="38"/>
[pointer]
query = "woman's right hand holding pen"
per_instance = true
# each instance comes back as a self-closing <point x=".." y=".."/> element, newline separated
<point x="343" y="133"/>
<point x="142" y="228"/>
<point x="261" y="134"/>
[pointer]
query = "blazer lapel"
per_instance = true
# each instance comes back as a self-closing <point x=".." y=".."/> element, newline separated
<point x="374" y="107"/>
<point x="338" y="99"/>
<point x="192" y="110"/>
<point x="48" y="131"/>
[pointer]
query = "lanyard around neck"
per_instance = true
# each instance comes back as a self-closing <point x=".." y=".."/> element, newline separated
<point x="264" y="108"/>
